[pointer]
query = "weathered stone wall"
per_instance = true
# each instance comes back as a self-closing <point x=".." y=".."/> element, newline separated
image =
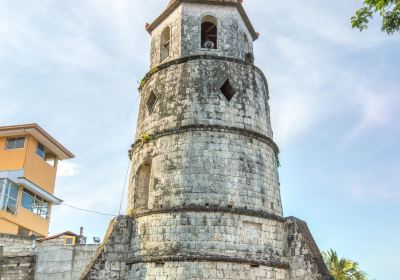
<point x="205" y="270"/>
<point x="305" y="259"/>
<point x="208" y="150"/>
<point x="214" y="168"/>
<point x="62" y="262"/>
<point x="212" y="234"/>
<point x="189" y="93"/>
<point x="23" y="258"/>
<point x="185" y="22"/>
<point x="109" y="261"/>
<point x="17" y="246"/>
<point x="230" y="30"/>
<point x="174" y="22"/>
<point x="17" y="259"/>
<point x="17" y="267"/>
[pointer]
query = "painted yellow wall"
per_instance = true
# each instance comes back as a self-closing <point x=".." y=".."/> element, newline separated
<point x="24" y="218"/>
<point x="11" y="159"/>
<point x="7" y="226"/>
<point x="37" y="170"/>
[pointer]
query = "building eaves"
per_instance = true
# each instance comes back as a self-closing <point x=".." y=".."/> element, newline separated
<point x="35" y="130"/>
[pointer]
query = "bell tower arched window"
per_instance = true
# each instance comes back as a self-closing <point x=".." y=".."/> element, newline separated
<point x="209" y="32"/>
<point x="248" y="55"/>
<point x="165" y="43"/>
<point x="246" y="44"/>
<point x="141" y="196"/>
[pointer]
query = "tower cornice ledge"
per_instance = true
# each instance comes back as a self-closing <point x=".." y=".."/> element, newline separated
<point x="185" y="59"/>
<point x="219" y="128"/>
<point x="175" y="3"/>
<point x="212" y="209"/>
<point x="197" y="257"/>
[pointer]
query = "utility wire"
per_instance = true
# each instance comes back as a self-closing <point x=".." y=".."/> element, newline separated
<point x="90" y="211"/>
<point x="123" y="191"/>
<point x="133" y="105"/>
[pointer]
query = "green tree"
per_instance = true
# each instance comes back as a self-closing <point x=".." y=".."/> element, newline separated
<point x="389" y="10"/>
<point x="342" y="269"/>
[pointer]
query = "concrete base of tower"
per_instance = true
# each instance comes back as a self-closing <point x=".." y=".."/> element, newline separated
<point x="117" y="258"/>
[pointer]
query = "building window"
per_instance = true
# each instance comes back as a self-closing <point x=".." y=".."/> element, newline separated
<point x="142" y="186"/>
<point x="15" y="143"/>
<point x="69" y="240"/>
<point x="35" y="204"/>
<point x="41" y="151"/>
<point x="209" y="32"/>
<point x="8" y="196"/>
<point x="46" y="154"/>
<point x="165" y="43"/>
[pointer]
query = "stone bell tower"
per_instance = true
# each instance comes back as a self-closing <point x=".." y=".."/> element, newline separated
<point x="204" y="194"/>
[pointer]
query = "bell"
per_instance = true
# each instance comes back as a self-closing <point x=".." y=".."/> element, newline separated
<point x="209" y="44"/>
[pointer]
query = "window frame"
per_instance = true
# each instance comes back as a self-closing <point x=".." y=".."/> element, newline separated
<point x="38" y="203"/>
<point x="15" y="139"/>
<point x="48" y="156"/>
<point x="44" y="150"/>
<point x="6" y="186"/>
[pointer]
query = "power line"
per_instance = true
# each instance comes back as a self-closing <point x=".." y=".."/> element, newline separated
<point x="123" y="191"/>
<point x="90" y="211"/>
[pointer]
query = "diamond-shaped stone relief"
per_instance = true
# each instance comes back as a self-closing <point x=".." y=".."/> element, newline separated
<point x="151" y="101"/>
<point x="228" y="90"/>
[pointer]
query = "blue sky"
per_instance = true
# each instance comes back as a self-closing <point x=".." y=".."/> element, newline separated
<point x="73" y="66"/>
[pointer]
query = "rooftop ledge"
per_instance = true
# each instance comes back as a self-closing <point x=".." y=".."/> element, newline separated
<point x="16" y="176"/>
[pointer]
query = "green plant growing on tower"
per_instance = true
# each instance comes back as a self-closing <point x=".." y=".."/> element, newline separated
<point x="146" y="138"/>
<point x="143" y="81"/>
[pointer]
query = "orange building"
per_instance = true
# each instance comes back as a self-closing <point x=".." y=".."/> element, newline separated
<point x="28" y="166"/>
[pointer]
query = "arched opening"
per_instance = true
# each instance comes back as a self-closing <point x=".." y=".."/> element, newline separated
<point x="246" y="44"/>
<point x="165" y="43"/>
<point x="248" y="55"/>
<point x="141" y="198"/>
<point x="209" y="32"/>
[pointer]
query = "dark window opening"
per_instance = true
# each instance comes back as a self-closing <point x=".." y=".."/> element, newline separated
<point x="15" y="143"/>
<point x="248" y="55"/>
<point x="46" y="154"/>
<point x="151" y="101"/>
<point x="227" y="90"/>
<point x="246" y="43"/>
<point x="209" y="33"/>
<point x="141" y="198"/>
<point x="165" y="43"/>
<point x="41" y="151"/>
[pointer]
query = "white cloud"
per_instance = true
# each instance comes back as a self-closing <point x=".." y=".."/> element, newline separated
<point x="374" y="192"/>
<point x="375" y="109"/>
<point x="68" y="169"/>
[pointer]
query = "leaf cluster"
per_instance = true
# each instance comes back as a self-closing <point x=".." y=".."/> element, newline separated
<point x="389" y="10"/>
<point x="343" y="269"/>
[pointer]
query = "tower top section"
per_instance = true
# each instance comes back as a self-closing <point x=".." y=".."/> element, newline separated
<point x="188" y="28"/>
<point x="173" y="4"/>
